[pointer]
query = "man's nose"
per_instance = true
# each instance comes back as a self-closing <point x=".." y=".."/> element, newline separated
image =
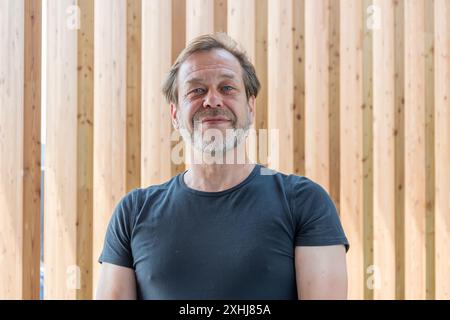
<point x="212" y="100"/>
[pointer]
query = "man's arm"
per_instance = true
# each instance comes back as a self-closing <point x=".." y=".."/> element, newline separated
<point x="321" y="272"/>
<point x="116" y="283"/>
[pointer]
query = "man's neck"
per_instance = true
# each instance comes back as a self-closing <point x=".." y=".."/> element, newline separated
<point x="217" y="177"/>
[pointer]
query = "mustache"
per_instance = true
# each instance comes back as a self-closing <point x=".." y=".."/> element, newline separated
<point x="213" y="113"/>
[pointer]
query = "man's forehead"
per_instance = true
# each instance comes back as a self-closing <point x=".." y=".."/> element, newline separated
<point x="220" y="74"/>
<point x="213" y="63"/>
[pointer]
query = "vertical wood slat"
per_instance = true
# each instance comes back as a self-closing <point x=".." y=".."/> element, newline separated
<point x="298" y="17"/>
<point x="20" y="29"/>
<point x="280" y="84"/>
<point x="442" y="148"/>
<point x="199" y="18"/>
<point x="85" y="105"/>
<point x="243" y="13"/>
<point x="319" y="22"/>
<point x="410" y="218"/>
<point x="133" y="139"/>
<point x="334" y="101"/>
<point x="429" y="150"/>
<point x="109" y="116"/>
<point x="178" y="43"/>
<point x="367" y="78"/>
<point x="32" y="151"/>
<point x="316" y="101"/>
<point x="68" y="167"/>
<point x="12" y="15"/>
<point x="351" y="137"/>
<point x="60" y="196"/>
<point x="156" y="123"/>
<point x="220" y="15"/>
<point x="399" y="11"/>
<point x="261" y="53"/>
<point x="384" y="152"/>
<point x="415" y="175"/>
<point x="179" y="24"/>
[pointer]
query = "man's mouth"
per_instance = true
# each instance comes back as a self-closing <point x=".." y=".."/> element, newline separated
<point x="214" y="120"/>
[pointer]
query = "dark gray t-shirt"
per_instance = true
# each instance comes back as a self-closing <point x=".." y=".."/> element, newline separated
<point x="234" y="244"/>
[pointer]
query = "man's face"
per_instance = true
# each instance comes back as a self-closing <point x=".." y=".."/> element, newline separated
<point x="212" y="101"/>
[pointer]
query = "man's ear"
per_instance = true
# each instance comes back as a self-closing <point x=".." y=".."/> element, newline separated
<point x="173" y="115"/>
<point x="251" y="106"/>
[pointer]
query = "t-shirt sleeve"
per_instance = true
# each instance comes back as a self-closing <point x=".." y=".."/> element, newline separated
<point x="316" y="218"/>
<point x="117" y="244"/>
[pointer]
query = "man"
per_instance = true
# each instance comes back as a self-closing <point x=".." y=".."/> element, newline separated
<point x="223" y="229"/>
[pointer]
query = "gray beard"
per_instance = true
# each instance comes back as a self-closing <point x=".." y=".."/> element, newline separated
<point x="214" y="141"/>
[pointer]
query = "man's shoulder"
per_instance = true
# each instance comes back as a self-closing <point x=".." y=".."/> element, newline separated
<point x="299" y="186"/>
<point x="135" y="199"/>
<point x="156" y="189"/>
<point x="291" y="180"/>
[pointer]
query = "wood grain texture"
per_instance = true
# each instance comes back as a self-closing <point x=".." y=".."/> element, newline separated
<point x="60" y="183"/>
<point x="261" y="53"/>
<point x="32" y="150"/>
<point x="243" y="13"/>
<point x="298" y="47"/>
<point x="110" y="59"/>
<point x="68" y="184"/>
<point x="156" y="124"/>
<point x="334" y="92"/>
<point x="384" y="152"/>
<point x="13" y="284"/>
<point x="442" y="148"/>
<point x="367" y="79"/>
<point x="415" y="174"/>
<point x="351" y="137"/>
<point x="317" y="152"/>
<point x="199" y="18"/>
<point x="359" y="106"/>
<point x="85" y="141"/>
<point x="178" y="43"/>
<point x="429" y="151"/>
<point x="220" y="15"/>
<point x="399" y="12"/>
<point x="134" y="87"/>
<point x="280" y="85"/>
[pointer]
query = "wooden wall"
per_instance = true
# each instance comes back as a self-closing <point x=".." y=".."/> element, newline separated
<point x="20" y="153"/>
<point x="356" y="92"/>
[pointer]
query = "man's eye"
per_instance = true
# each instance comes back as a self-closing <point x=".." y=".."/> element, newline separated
<point x="198" y="91"/>
<point x="227" y="88"/>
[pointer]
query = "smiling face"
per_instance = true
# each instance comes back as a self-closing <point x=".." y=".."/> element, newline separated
<point x="212" y="101"/>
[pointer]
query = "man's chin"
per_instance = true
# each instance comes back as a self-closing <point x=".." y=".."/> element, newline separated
<point x="212" y="150"/>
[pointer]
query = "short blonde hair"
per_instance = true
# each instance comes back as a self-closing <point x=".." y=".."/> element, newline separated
<point x="209" y="42"/>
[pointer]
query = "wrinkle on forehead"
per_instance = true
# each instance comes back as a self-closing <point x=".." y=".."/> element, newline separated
<point x="217" y="59"/>
<point x="224" y="70"/>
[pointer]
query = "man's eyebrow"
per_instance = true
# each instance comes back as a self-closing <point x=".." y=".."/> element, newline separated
<point x="228" y="76"/>
<point x="193" y="80"/>
<point x="200" y="80"/>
